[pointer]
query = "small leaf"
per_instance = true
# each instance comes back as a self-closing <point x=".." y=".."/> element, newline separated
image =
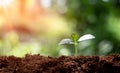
<point x="74" y="37"/>
<point x="86" y="37"/>
<point x="65" y="41"/>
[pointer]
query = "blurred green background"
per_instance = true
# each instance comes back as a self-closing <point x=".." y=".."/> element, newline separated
<point x="37" y="26"/>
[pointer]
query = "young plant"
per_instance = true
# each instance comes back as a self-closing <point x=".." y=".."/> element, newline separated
<point x="75" y="40"/>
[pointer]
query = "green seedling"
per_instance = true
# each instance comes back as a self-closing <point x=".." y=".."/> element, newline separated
<point x="75" y="40"/>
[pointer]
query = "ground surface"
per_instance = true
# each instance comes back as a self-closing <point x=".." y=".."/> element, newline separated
<point x="63" y="64"/>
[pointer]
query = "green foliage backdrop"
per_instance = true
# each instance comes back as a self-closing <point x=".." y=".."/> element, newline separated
<point x="98" y="17"/>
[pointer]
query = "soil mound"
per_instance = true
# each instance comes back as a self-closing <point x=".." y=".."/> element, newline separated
<point x="63" y="64"/>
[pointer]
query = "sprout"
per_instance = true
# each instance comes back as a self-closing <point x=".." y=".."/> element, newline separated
<point x="75" y="40"/>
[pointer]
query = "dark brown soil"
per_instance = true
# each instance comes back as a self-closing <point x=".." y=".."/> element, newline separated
<point x="63" y="64"/>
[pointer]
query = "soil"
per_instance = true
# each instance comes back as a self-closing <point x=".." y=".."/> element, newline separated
<point x="62" y="64"/>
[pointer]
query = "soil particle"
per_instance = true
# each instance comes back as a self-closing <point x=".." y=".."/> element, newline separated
<point x="63" y="64"/>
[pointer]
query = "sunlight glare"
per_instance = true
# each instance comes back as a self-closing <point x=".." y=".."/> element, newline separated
<point x="5" y="3"/>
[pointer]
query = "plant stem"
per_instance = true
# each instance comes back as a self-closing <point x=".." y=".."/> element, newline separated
<point x="75" y="46"/>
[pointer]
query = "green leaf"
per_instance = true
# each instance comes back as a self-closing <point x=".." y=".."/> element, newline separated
<point x="74" y="37"/>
